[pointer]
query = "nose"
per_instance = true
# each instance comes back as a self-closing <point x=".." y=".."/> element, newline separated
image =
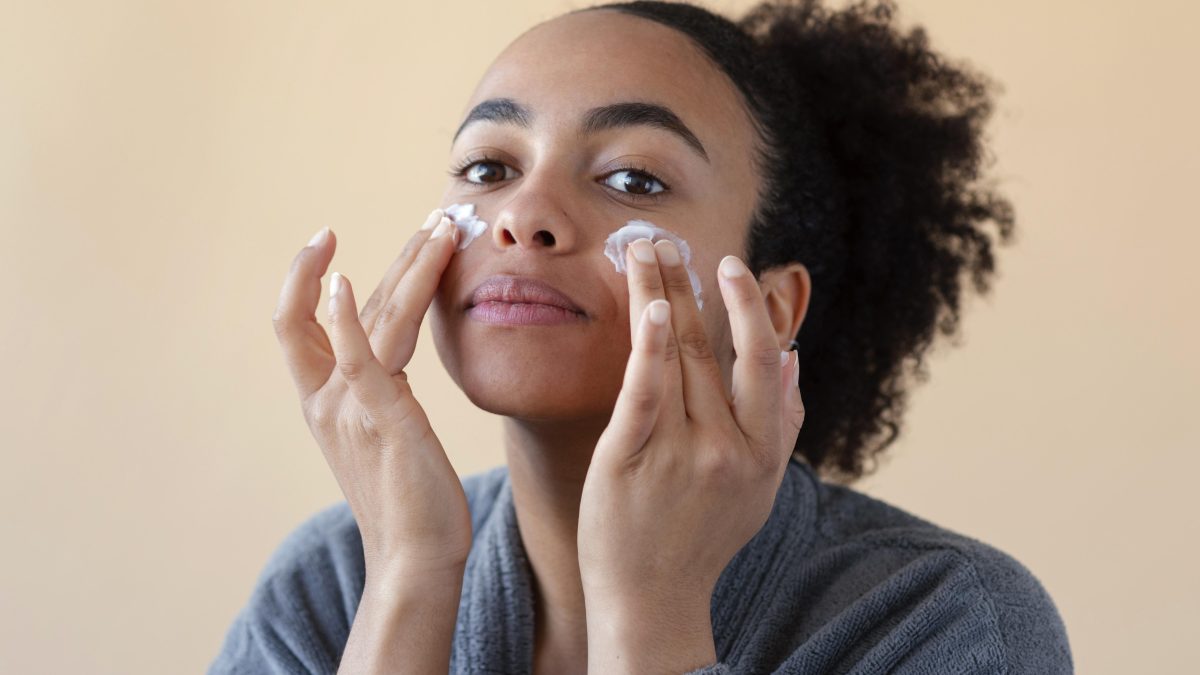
<point x="534" y="221"/>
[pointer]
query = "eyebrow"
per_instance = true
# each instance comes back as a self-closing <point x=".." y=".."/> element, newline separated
<point x="611" y="116"/>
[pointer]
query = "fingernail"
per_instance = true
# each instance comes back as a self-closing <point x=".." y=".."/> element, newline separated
<point x="667" y="252"/>
<point x="443" y="226"/>
<point x="319" y="237"/>
<point x="335" y="284"/>
<point x="731" y="267"/>
<point x="643" y="251"/>
<point x="659" y="310"/>
<point x="432" y="219"/>
<point x="783" y="358"/>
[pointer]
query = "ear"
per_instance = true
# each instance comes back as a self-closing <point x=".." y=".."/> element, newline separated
<point x="786" y="291"/>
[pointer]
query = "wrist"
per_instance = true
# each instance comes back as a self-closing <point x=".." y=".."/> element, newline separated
<point x="398" y="578"/>
<point x="644" y="637"/>
<point x="404" y="618"/>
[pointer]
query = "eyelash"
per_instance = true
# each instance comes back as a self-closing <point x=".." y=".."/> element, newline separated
<point x="460" y="170"/>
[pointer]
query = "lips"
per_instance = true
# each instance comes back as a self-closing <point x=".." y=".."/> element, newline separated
<point x="515" y="289"/>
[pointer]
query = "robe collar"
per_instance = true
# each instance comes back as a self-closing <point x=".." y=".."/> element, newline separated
<point x="495" y="627"/>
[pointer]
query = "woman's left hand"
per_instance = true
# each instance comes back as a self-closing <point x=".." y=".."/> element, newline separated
<point x="683" y="476"/>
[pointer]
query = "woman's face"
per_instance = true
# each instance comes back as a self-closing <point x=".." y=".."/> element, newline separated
<point x="552" y="188"/>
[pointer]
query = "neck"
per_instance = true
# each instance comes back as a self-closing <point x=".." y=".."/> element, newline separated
<point x="547" y="464"/>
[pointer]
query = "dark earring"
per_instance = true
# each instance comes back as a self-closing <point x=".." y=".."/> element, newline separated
<point x="793" y="346"/>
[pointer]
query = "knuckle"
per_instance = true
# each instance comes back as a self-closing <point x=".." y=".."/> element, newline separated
<point x="388" y="314"/>
<point x="320" y="412"/>
<point x="648" y="281"/>
<point x="717" y="468"/>
<point x="694" y="344"/>
<point x="414" y="245"/>
<point x="414" y="323"/>
<point x="678" y="284"/>
<point x="766" y="357"/>
<point x="643" y="402"/>
<point x="351" y="369"/>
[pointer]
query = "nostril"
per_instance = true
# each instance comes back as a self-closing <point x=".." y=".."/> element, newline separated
<point x="547" y="238"/>
<point x="508" y="237"/>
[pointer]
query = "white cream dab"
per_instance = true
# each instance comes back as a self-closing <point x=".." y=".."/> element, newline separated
<point x="614" y="248"/>
<point x="469" y="225"/>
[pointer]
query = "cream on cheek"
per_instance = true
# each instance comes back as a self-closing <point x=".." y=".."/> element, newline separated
<point x="614" y="248"/>
<point x="469" y="225"/>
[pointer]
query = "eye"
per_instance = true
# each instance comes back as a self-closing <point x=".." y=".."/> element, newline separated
<point x="486" y="172"/>
<point x="635" y="182"/>
<point x="482" y="171"/>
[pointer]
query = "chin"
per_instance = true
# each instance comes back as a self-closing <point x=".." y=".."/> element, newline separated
<point x="527" y="381"/>
<point x="547" y="390"/>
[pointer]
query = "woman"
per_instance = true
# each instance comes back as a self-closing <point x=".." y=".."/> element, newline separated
<point x="661" y="509"/>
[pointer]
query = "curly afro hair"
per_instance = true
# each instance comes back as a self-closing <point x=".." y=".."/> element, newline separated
<point x="870" y="155"/>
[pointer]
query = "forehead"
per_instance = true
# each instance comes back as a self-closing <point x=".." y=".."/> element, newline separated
<point x="563" y="67"/>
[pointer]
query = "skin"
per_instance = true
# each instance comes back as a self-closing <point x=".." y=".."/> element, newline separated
<point x="628" y="443"/>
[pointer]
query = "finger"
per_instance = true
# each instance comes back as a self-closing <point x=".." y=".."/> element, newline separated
<point x="756" y="399"/>
<point x="643" y="288"/>
<point x="306" y="347"/>
<point x="793" y="413"/>
<point x="394" y="337"/>
<point x="702" y="386"/>
<point x="646" y="286"/>
<point x="370" y="311"/>
<point x="640" y="402"/>
<point x="374" y="388"/>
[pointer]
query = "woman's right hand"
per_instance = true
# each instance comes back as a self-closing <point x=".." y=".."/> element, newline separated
<point x="405" y="495"/>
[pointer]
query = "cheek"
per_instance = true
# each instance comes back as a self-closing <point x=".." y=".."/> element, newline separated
<point x="616" y="242"/>
<point x="470" y="226"/>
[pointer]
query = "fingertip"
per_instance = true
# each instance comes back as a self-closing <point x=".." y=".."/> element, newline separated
<point x="791" y="372"/>
<point x="319" y="238"/>
<point x="339" y="288"/>
<point x="732" y="267"/>
<point x="658" y="312"/>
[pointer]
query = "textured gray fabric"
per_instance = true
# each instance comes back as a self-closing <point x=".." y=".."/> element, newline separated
<point x="835" y="582"/>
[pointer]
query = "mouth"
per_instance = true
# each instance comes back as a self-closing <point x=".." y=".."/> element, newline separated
<point x="512" y="299"/>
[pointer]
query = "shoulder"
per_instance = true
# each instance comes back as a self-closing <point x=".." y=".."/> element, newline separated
<point x="299" y="613"/>
<point x="1000" y="605"/>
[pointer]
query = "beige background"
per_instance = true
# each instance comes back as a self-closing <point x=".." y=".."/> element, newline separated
<point x="161" y="162"/>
